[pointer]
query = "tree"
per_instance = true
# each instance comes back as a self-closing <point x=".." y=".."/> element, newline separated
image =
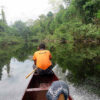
<point x="3" y="16"/>
<point x="87" y="9"/>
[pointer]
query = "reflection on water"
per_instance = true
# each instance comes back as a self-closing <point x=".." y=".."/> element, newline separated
<point x="82" y="61"/>
<point x="12" y="87"/>
<point x="20" y="52"/>
<point x="78" y="93"/>
<point x="16" y="62"/>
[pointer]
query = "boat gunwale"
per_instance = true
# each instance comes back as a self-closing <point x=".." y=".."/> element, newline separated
<point x="40" y="88"/>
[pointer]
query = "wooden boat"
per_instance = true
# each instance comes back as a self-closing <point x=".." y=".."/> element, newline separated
<point x="38" y="86"/>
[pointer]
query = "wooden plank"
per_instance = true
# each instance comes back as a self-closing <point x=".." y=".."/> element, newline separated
<point x="37" y="89"/>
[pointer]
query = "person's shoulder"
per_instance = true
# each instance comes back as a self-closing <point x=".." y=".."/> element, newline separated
<point x="47" y="51"/>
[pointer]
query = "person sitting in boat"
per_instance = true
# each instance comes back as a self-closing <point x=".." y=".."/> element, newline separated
<point x="42" y="59"/>
<point x="58" y="91"/>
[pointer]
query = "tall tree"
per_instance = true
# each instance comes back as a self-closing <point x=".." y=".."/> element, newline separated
<point x="3" y="16"/>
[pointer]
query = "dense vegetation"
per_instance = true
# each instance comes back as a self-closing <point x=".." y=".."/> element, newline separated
<point x="76" y="29"/>
<point x="72" y="33"/>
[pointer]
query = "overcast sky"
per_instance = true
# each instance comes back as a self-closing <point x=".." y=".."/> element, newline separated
<point x="24" y="9"/>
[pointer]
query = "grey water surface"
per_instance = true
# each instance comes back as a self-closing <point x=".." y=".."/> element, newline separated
<point x="13" y="82"/>
<point x="78" y="93"/>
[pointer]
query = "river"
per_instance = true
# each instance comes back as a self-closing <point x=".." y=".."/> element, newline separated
<point x="78" y="93"/>
<point x="13" y="82"/>
<point x="16" y="62"/>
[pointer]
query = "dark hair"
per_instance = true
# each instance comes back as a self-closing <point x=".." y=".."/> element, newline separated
<point x="42" y="46"/>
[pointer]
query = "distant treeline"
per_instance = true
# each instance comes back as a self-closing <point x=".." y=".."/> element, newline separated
<point x="79" y="21"/>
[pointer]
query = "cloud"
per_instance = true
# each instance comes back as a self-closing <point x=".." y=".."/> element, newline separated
<point x="24" y="9"/>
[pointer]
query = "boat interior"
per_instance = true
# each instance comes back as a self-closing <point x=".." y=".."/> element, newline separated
<point x="38" y="87"/>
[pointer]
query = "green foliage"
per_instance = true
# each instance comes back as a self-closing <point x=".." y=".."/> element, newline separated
<point x="3" y="26"/>
<point x="17" y="33"/>
<point x="76" y="26"/>
<point x="81" y="61"/>
<point x="87" y="9"/>
<point x="71" y="32"/>
<point x="3" y="16"/>
<point x="50" y="14"/>
<point x="98" y="14"/>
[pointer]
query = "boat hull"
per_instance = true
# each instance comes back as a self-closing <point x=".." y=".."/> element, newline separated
<point x="38" y="87"/>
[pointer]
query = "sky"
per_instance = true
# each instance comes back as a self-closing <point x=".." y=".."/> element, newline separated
<point x="24" y="9"/>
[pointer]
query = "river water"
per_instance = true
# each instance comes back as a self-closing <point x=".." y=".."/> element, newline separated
<point x="78" y="93"/>
<point x="13" y="82"/>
